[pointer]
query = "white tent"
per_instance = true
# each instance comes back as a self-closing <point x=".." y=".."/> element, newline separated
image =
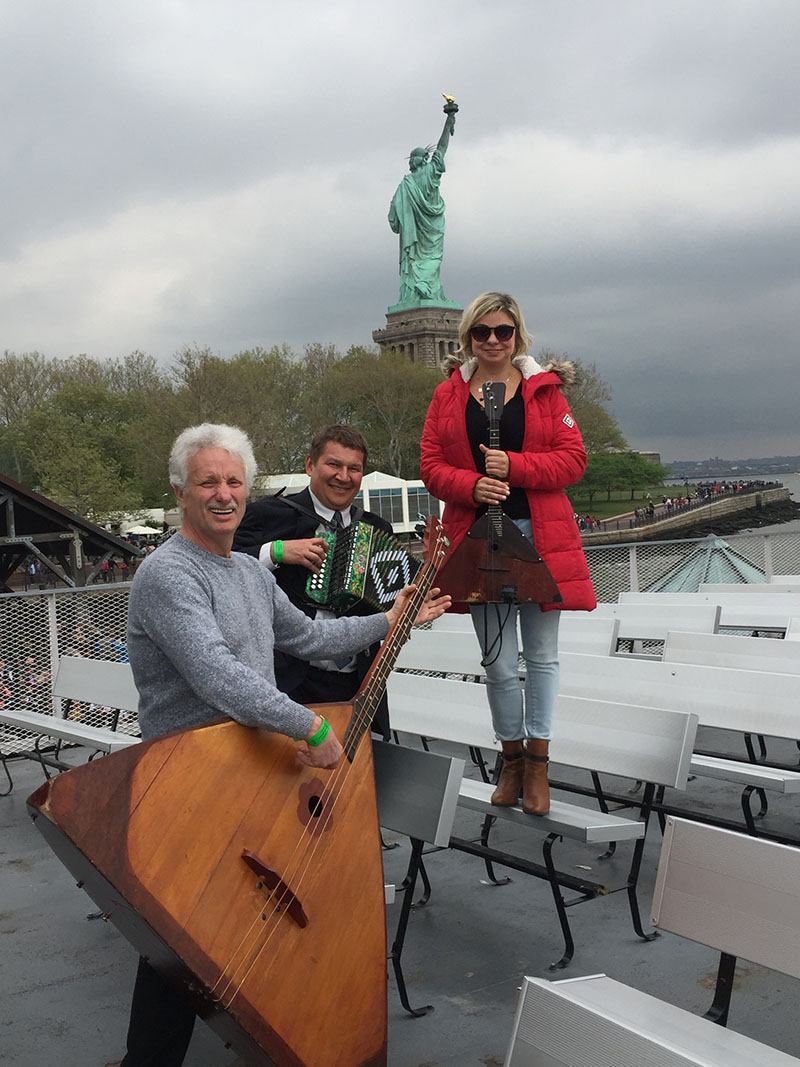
<point x="143" y="530"/>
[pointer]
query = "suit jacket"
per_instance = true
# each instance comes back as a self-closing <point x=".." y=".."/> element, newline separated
<point x="273" y="518"/>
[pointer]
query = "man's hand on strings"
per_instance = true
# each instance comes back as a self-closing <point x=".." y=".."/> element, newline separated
<point x="434" y="605"/>
<point x="326" y="755"/>
<point x="308" y="552"/>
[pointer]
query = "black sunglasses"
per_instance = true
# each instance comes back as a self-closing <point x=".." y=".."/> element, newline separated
<point x="482" y="333"/>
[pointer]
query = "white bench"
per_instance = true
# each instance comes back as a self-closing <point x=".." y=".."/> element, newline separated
<point x="792" y="580"/>
<point x="750" y="703"/>
<point x="736" y="591"/>
<point x="647" y="744"/>
<point x="583" y="631"/>
<point x="727" y="650"/>
<point x="650" y="622"/>
<point x="417" y="795"/>
<point x="91" y="681"/>
<point x="738" y="611"/>
<point x="578" y="631"/>
<point x="747" y="702"/>
<point x="736" y="894"/>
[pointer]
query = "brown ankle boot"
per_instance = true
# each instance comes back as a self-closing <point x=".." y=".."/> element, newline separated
<point x="509" y="784"/>
<point x="535" y="788"/>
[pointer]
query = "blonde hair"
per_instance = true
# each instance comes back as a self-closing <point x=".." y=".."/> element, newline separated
<point x="481" y="306"/>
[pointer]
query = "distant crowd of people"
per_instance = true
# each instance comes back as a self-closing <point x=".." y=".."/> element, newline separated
<point x="25" y="674"/>
<point x="652" y="511"/>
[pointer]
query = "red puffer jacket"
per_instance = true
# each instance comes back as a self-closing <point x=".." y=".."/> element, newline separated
<point x="552" y="458"/>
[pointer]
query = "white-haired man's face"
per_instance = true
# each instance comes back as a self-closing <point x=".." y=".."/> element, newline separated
<point x="213" y="500"/>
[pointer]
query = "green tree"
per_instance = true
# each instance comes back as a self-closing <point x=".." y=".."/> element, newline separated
<point x="77" y="447"/>
<point x="614" y="471"/>
<point x="599" y="475"/>
<point x="257" y="390"/>
<point x="588" y="399"/>
<point x="385" y="397"/>
<point x="25" y="382"/>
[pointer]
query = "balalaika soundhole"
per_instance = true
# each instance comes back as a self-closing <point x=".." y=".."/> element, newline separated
<point x="252" y="882"/>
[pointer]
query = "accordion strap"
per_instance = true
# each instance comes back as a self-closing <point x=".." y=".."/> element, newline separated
<point x="355" y="512"/>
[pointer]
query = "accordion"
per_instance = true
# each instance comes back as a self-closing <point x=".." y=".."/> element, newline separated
<point x="362" y="564"/>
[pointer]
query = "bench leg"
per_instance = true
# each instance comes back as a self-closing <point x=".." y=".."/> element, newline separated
<point x="636" y="864"/>
<point x="476" y="756"/>
<point x="603" y="805"/>
<point x="5" y="792"/>
<point x="749" y="817"/>
<point x="488" y="823"/>
<point x="561" y="907"/>
<point x="409" y="882"/>
<point x="762" y="748"/>
<point x="718" y="1012"/>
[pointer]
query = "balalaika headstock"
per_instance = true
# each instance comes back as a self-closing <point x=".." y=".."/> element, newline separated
<point x="434" y="543"/>
<point x="494" y="397"/>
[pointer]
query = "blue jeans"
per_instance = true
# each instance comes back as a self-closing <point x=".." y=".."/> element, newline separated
<point x="499" y="638"/>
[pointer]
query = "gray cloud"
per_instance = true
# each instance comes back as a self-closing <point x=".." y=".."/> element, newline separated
<point x="220" y="175"/>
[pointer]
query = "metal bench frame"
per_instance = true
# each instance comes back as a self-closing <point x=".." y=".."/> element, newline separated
<point x="650" y="744"/>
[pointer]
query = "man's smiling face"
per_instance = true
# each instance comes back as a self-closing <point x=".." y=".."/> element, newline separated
<point x="335" y="478"/>
<point x="213" y="500"/>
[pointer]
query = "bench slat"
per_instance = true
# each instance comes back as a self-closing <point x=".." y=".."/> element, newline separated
<point x="728" y="770"/>
<point x="595" y="1020"/>
<point x="96" y="681"/>
<point x="569" y="820"/>
<point x="736" y="893"/>
<point x="67" y="730"/>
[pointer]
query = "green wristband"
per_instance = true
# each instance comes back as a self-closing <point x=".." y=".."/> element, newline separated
<point x="277" y="551"/>
<point x="320" y="735"/>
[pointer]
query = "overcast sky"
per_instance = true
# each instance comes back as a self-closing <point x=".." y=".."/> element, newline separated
<point x="197" y="172"/>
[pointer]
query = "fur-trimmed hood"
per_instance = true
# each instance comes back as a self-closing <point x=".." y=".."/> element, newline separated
<point x="526" y="365"/>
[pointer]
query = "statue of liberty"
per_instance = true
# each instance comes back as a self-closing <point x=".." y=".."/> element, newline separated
<point x="417" y="215"/>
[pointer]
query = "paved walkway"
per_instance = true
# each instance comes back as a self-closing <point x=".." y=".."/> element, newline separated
<point x="67" y="979"/>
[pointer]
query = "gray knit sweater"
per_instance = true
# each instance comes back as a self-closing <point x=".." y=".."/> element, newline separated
<point x="201" y="634"/>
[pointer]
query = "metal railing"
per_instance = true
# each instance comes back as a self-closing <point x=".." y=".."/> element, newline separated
<point x="38" y="627"/>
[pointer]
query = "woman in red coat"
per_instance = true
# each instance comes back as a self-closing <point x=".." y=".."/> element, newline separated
<point x="541" y="452"/>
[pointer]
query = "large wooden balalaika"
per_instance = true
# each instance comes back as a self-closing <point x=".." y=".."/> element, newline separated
<point x="252" y="882"/>
<point x="495" y="563"/>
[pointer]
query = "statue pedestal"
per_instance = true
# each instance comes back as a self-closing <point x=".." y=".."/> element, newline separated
<point x="425" y="333"/>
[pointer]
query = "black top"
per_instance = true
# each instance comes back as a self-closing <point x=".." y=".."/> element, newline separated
<point x="512" y="435"/>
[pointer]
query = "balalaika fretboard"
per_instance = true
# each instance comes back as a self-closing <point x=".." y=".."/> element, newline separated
<point x="362" y="564"/>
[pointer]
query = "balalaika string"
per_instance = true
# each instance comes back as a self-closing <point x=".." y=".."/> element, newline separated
<point x="264" y="926"/>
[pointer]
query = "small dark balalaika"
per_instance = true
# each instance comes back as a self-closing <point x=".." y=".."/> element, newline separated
<point x="495" y="563"/>
<point x="362" y="564"/>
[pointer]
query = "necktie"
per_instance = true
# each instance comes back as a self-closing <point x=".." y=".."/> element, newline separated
<point x="337" y="521"/>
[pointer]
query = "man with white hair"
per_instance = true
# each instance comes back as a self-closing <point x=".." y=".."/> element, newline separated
<point x="203" y="622"/>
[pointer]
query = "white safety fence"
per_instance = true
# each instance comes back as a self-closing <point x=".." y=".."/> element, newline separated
<point x="38" y="627"/>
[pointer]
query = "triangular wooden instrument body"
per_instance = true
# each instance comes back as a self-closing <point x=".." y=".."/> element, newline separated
<point x="496" y="564"/>
<point x="156" y="834"/>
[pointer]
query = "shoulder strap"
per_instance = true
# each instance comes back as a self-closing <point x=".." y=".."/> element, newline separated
<point x="309" y="512"/>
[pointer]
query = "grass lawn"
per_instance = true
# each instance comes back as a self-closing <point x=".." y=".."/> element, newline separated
<point x="620" y="503"/>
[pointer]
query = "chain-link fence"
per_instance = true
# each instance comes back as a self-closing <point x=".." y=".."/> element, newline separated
<point x="38" y="627"/>
<point x="622" y="568"/>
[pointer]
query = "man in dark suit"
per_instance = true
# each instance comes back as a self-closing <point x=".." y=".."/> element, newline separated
<point x="282" y="532"/>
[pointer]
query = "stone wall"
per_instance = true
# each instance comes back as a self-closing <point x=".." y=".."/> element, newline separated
<point x="716" y="509"/>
